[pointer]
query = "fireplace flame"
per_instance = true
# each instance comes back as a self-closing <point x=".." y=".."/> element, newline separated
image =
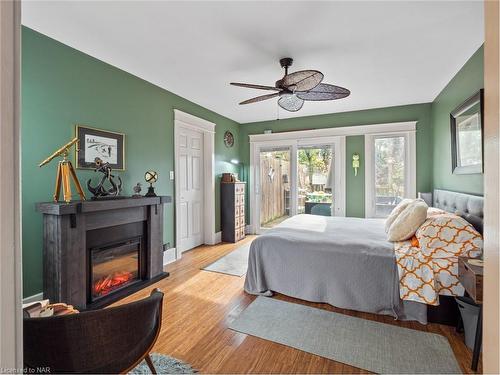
<point x="108" y="283"/>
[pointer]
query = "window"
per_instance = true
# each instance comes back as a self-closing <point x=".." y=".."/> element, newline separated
<point x="315" y="180"/>
<point x="390" y="171"/>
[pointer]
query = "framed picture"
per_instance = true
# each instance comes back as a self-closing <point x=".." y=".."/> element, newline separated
<point x="103" y="144"/>
<point x="466" y="123"/>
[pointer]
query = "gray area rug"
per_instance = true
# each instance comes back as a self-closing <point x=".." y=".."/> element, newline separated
<point x="235" y="263"/>
<point x="373" y="346"/>
<point x="164" y="365"/>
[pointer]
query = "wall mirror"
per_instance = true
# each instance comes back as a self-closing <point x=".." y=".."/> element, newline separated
<point x="466" y="123"/>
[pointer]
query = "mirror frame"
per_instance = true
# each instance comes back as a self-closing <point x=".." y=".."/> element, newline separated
<point x="471" y="169"/>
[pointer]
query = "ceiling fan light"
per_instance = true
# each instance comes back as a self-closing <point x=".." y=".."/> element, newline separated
<point x="290" y="102"/>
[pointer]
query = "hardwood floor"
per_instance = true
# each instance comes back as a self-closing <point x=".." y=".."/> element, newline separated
<point x="199" y="305"/>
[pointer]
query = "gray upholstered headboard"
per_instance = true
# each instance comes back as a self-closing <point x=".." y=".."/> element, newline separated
<point x="470" y="207"/>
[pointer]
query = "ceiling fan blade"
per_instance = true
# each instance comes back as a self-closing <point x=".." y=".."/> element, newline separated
<point x="260" y="98"/>
<point x="324" y="91"/>
<point x="251" y="86"/>
<point x="303" y="80"/>
<point x="290" y="103"/>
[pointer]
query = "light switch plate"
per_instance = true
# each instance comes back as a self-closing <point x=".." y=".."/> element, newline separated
<point x="171" y="175"/>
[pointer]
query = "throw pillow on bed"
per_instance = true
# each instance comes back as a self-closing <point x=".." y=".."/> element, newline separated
<point x="395" y="212"/>
<point x="442" y="236"/>
<point x="431" y="211"/>
<point x="408" y="221"/>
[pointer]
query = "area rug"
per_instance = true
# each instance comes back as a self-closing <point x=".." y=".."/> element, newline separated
<point x="372" y="346"/>
<point x="164" y="365"/>
<point x="235" y="263"/>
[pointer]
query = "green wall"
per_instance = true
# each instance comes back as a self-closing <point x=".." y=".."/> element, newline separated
<point x="62" y="87"/>
<point x="355" y="185"/>
<point x="465" y="83"/>
<point x="355" y="190"/>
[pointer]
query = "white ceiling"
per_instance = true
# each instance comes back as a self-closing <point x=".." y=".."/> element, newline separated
<point x="387" y="53"/>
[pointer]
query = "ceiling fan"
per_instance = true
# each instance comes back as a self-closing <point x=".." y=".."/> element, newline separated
<point x="295" y="88"/>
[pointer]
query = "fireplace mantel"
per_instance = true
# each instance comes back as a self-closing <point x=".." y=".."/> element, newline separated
<point x="67" y="227"/>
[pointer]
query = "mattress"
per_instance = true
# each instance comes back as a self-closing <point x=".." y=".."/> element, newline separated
<point x="346" y="262"/>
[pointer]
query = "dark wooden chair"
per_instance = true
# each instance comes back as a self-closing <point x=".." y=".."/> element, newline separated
<point x="112" y="340"/>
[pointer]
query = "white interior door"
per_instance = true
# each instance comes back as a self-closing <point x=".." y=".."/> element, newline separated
<point x="190" y="175"/>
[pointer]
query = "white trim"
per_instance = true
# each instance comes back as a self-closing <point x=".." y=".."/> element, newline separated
<point x="169" y="256"/>
<point x="11" y="322"/>
<point x="340" y="177"/>
<point x="183" y="119"/>
<point x="369" y="176"/>
<point x="334" y="132"/>
<point x="217" y="238"/>
<point x="33" y="298"/>
<point x="410" y="167"/>
<point x="194" y="122"/>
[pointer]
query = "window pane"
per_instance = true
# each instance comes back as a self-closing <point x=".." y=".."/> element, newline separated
<point x="274" y="187"/>
<point x="315" y="180"/>
<point x="389" y="174"/>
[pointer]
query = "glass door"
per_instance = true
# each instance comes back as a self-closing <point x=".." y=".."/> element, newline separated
<point x="390" y="173"/>
<point x="275" y="203"/>
<point x="315" y="182"/>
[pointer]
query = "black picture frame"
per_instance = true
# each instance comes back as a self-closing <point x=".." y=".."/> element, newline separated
<point x="476" y="100"/>
<point x="107" y="145"/>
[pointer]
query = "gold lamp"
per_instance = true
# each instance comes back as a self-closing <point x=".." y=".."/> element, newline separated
<point x="65" y="172"/>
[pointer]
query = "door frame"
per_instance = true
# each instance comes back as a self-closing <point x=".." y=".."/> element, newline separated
<point x="11" y="328"/>
<point x="293" y="144"/>
<point x="491" y="305"/>
<point x="207" y="128"/>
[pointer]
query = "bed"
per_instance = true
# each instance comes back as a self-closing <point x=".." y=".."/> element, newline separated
<point x="345" y="262"/>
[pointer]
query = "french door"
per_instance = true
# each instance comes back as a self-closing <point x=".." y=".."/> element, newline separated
<point x="315" y="180"/>
<point x="296" y="178"/>
<point x="275" y="187"/>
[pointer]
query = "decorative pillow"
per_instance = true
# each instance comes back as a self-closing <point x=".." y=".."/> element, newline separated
<point x="431" y="211"/>
<point x="395" y="212"/>
<point x="408" y="221"/>
<point x="448" y="235"/>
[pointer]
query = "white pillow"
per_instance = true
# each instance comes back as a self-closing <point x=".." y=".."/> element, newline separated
<point x="395" y="212"/>
<point x="408" y="221"/>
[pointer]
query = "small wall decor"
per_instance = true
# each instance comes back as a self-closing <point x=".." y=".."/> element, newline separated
<point x="466" y="123"/>
<point x="105" y="145"/>
<point x="228" y="139"/>
<point x="355" y="163"/>
<point x="151" y="177"/>
<point x="100" y="191"/>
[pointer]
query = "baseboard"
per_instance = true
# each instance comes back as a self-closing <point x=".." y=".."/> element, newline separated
<point x="217" y="238"/>
<point x="33" y="298"/>
<point x="169" y="256"/>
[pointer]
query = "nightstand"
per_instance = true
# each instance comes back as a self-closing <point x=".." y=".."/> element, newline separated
<point x="471" y="277"/>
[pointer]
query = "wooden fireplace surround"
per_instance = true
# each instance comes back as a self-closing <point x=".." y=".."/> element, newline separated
<point x="65" y="250"/>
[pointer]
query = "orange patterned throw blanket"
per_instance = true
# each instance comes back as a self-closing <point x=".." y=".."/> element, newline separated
<point x="428" y="263"/>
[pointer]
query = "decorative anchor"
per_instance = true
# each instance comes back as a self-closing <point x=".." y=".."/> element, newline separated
<point x="100" y="191"/>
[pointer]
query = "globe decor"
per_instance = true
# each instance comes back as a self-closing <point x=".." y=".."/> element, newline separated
<point x="151" y="177"/>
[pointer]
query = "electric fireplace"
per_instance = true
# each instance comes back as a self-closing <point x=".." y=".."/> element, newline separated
<point x="97" y="252"/>
<point x="114" y="267"/>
